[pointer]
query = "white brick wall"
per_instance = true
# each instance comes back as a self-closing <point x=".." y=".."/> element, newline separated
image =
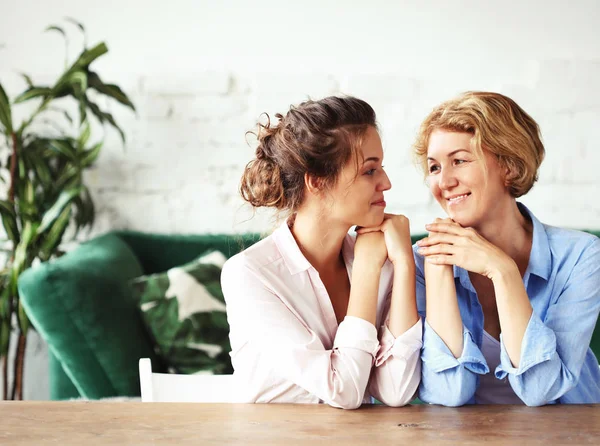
<point x="201" y="73"/>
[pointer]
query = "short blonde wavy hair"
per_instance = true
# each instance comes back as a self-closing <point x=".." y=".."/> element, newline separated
<point x="498" y="125"/>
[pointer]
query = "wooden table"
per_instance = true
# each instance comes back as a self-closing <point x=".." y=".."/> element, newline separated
<point x="121" y="423"/>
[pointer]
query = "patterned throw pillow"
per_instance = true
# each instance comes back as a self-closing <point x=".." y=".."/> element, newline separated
<point x="184" y="312"/>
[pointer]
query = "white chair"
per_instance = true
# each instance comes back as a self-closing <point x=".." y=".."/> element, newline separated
<point x="165" y="387"/>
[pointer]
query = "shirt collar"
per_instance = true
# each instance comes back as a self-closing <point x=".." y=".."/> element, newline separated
<point x="292" y="255"/>
<point x="539" y="258"/>
<point x="289" y="249"/>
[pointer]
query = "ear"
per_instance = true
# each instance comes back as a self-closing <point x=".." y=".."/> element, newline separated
<point x="313" y="184"/>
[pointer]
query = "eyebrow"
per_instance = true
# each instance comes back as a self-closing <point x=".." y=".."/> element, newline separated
<point x="450" y="154"/>
<point x="373" y="158"/>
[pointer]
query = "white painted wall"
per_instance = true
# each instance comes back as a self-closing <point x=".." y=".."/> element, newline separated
<point x="201" y="72"/>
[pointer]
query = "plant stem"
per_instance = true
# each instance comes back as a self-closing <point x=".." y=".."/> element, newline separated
<point x="5" y="377"/>
<point x="17" y="390"/>
<point x="13" y="169"/>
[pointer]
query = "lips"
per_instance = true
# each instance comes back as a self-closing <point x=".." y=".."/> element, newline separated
<point x="378" y="203"/>
<point x="458" y="198"/>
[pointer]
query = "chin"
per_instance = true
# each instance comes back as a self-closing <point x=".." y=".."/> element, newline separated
<point x="463" y="219"/>
<point x="370" y="220"/>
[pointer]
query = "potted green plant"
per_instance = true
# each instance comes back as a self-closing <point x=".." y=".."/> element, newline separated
<point x="43" y="173"/>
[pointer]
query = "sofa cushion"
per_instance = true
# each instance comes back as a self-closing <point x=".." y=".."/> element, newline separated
<point x="184" y="311"/>
<point x="82" y="307"/>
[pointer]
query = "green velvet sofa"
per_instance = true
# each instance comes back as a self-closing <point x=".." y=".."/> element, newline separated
<point x="82" y="307"/>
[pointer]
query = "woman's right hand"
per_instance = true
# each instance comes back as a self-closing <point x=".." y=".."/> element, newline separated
<point x="371" y="247"/>
<point x="396" y="231"/>
<point x="431" y="268"/>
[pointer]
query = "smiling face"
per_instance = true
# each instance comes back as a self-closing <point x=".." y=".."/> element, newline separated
<point x="468" y="188"/>
<point x="357" y="197"/>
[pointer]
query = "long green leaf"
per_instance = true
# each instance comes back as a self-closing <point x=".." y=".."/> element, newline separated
<point x="91" y="155"/>
<point x="110" y="90"/>
<point x="33" y="93"/>
<point x="88" y="56"/>
<point x="85" y="134"/>
<point x="63" y="147"/>
<point x="105" y="117"/>
<point x="52" y="214"/>
<point x="73" y="82"/>
<point x="67" y="176"/>
<point x="9" y="221"/>
<point x="4" y="300"/>
<point x="27" y="79"/>
<point x="42" y="171"/>
<point x="75" y="22"/>
<point x="54" y="235"/>
<point x="89" y="208"/>
<point x="27" y="235"/>
<point x="57" y="29"/>
<point x="5" y="112"/>
<point x="5" y="330"/>
<point x="22" y="319"/>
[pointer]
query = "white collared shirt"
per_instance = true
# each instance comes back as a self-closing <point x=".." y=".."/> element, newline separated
<point x="286" y="344"/>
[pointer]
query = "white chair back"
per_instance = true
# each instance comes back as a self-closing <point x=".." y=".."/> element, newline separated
<point x="198" y="388"/>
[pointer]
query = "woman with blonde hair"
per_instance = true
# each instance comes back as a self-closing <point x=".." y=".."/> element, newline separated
<point x="510" y="303"/>
<point x="317" y="315"/>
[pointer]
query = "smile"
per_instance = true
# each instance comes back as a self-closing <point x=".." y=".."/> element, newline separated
<point x="457" y="199"/>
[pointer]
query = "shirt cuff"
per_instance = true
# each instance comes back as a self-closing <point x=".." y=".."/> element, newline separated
<point x="357" y="333"/>
<point x="439" y="358"/>
<point x="403" y="346"/>
<point x="538" y="345"/>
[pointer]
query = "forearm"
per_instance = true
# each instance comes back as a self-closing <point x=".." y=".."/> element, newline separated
<point x="443" y="314"/>
<point x="403" y="306"/>
<point x="364" y="287"/>
<point x="514" y="309"/>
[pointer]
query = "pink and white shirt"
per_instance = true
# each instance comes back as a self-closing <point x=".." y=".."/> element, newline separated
<point x="287" y="346"/>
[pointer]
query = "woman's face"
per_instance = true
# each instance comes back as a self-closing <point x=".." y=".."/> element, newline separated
<point x="357" y="197"/>
<point x="468" y="188"/>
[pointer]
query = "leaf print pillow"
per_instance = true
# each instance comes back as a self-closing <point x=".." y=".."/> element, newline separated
<point x="184" y="312"/>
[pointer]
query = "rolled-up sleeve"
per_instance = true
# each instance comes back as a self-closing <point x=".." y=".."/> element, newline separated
<point x="268" y="338"/>
<point x="397" y="372"/>
<point x="446" y="380"/>
<point x="553" y="350"/>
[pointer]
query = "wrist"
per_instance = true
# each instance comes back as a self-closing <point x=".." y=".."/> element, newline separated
<point x="403" y="265"/>
<point x="505" y="270"/>
<point x="366" y="266"/>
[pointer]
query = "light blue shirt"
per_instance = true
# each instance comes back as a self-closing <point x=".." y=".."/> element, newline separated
<point x="556" y="365"/>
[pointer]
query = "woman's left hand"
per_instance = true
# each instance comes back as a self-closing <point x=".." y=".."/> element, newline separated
<point x="396" y="231"/>
<point x="449" y="243"/>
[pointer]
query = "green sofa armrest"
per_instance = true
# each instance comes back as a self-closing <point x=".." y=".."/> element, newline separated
<point x="83" y="308"/>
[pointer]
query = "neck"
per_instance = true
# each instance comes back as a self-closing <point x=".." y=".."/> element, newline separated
<point x="509" y="230"/>
<point x="319" y="240"/>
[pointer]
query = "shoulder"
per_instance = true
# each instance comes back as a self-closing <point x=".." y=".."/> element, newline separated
<point x="572" y="243"/>
<point x="251" y="260"/>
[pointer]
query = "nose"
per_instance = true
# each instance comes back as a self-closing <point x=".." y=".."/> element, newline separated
<point x="385" y="183"/>
<point x="447" y="179"/>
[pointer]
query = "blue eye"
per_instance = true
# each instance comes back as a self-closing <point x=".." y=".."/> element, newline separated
<point x="370" y="172"/>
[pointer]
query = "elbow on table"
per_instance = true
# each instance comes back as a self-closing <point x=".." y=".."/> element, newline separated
<point x="448" y="400"/>
<point x="346" y="401"/>
<point x="534" y="400"/>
